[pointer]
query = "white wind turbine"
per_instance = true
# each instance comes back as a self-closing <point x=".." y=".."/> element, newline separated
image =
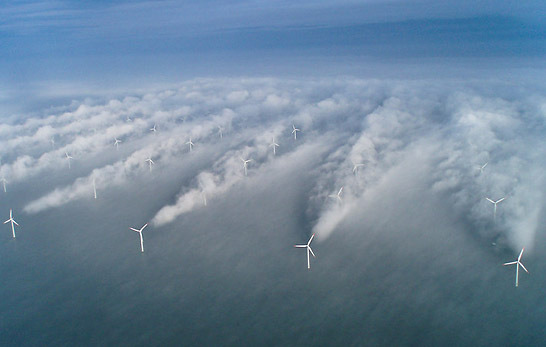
<point x="150" y="162"/>
<point x="4" y="183"/>
<point x="52" y="140"/>
<point x="274" y="145"/>
<point x="483" y="167"/>
<point x="154" y="129"/>
<point x="337" y="196"/>
<point x="190" y="144"/>
<point x="221" y="132"/>
<point x="295" y="131"/>
<point x="518" y="264"/>
<point x="245" y="162"/>
<point x="12" y="222"/>
<point x="68" y="157"/>
<point x="495" y="203"/>
<point x="116" y="143"/>
<point x="356" y="166"/>
<point x="139" y="231"/>
<point x="309" y="250"/>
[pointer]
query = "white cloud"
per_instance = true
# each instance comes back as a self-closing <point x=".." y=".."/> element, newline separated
<point x="396" y="129"/>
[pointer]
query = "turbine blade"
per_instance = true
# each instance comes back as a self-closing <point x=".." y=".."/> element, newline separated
<point x="500" y="200"/>
<point x="310" y="239"/>
<point x="300" y="246"/>
<point x="521" y="253"/>
<point x="133" y="229"/>
<point x="145" y="225"/>
<point x="7" y="221"/>
<point x="523" y="267"/>
<point x="309" y="248"/>
<point x="491" y="201"/>
<point x="18" y="225"/>
<point x="510" y="263"/>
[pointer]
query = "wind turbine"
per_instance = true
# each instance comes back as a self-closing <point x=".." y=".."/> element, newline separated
<point x="220" y="132"/>
<point x="495" y="203"/>
<point x="154" y="129"/>
<point x="356" y="166"/>
<point x="204" y="198"/>
<point x="4" y="183"/>
<point x="483" y="167"/>
<point x="128" y="119"/>
<point x="295" y="131"/>
<point x="52" y="140"/>
<point x="139" y="231"/>
<point x="116" y="143"/>
<point x="190" y="143"/>
<point x="518" y="264"/>
<point x="94" y="188"/>
<point x="309" y="250"/>
<point x="12" y="222"/>
<point x="337" y="196"/>
<point x="245" y="162"/>
<point x="150" y="162"/>
<point x="274" y="145"/>
<point x="68" y="157"/>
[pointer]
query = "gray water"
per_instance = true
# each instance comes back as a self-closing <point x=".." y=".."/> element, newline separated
<point x="227" y="274"/>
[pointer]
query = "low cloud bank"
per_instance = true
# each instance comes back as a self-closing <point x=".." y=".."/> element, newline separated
<point x="370" y="132"/>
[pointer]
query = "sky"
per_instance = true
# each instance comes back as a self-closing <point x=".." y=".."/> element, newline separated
<point x="62" y="49"/>
<point x="413" y="113"/>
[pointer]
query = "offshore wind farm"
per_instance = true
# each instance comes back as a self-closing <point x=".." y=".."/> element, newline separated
<point x="405" y="155"/>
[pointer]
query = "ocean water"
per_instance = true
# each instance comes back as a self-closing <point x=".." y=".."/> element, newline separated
<point x="404" y="272"/>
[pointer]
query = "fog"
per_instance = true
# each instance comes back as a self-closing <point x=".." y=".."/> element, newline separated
<point x="412" y="254"/>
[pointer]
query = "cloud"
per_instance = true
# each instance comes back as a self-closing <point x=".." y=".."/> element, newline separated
<point x="427" y="136"/>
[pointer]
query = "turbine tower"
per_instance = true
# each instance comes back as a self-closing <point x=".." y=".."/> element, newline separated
<point x="518" y="264"/>
<point x="309" y="250"/>
<point x="274" y="145"/>
<point x="4" y="183"/>
<point x="12" y="222"/>
<point x="295" y="131"/>
<point x="139" y="231"/>
<point x="245" y="162"/>
<point x="94" y="188"/>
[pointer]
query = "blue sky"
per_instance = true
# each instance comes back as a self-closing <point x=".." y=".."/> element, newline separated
<point x="67" y="47"/>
